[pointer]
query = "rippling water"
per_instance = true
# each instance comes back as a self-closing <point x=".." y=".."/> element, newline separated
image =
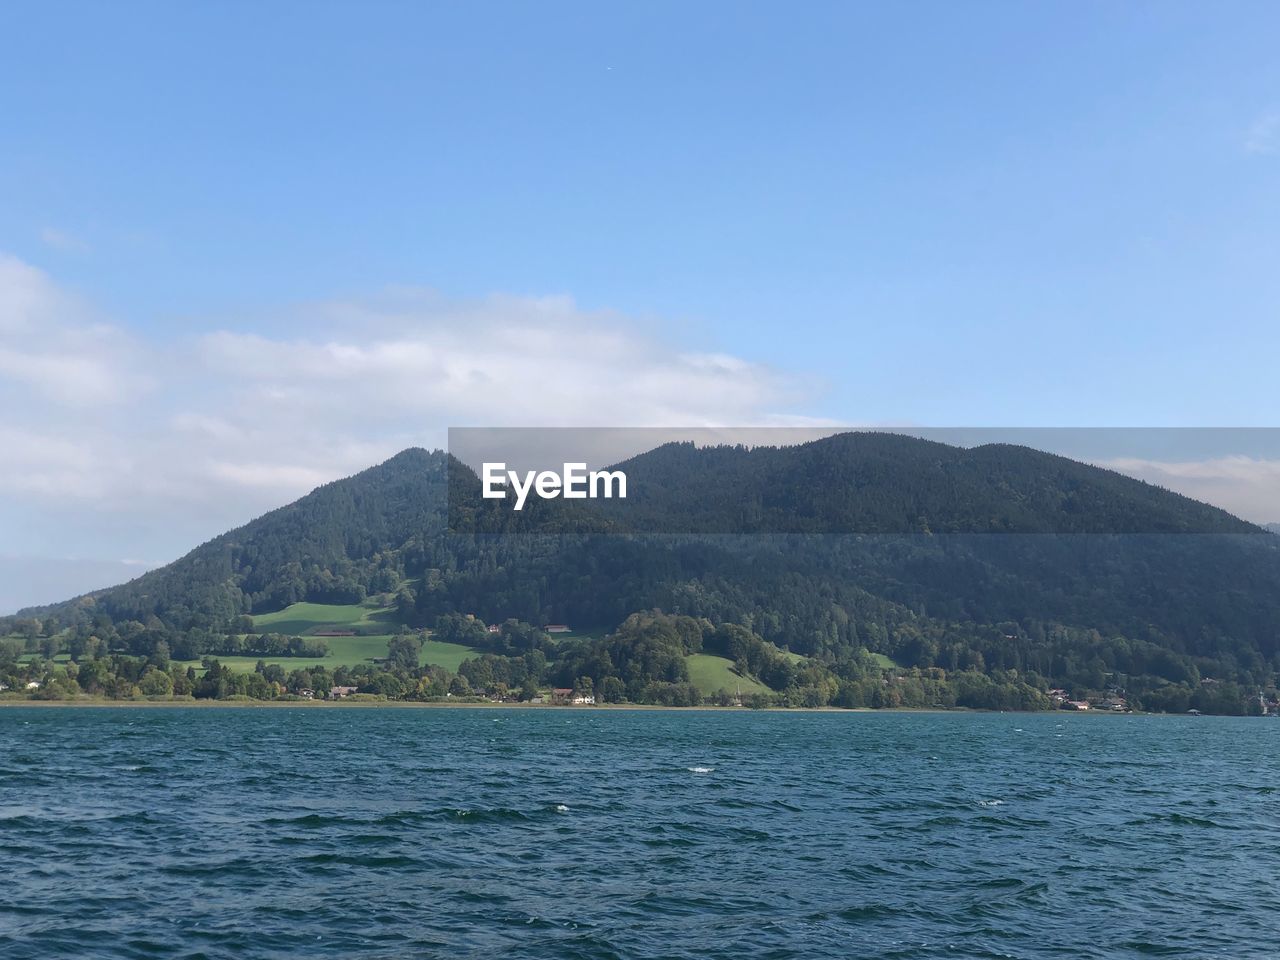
<point x="262" y="833"/>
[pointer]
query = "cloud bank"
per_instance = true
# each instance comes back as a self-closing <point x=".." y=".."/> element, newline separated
<point x="118" y="445"/>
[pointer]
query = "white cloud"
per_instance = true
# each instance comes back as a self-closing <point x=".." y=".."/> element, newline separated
<point x="76" y="372"/>
<point x="45" y="465"/>
<point x="53" y="345"/>
<point x="28" y="297"/>
<point x="115" y="445"/>
<point x="270" y="476"/>
<point x="1263" y="136"/>
<point x="1249" y="487"/>
<point x="503" y="361"/>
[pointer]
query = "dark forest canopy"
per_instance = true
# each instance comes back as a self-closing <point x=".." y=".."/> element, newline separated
<point x="989" y="560"/>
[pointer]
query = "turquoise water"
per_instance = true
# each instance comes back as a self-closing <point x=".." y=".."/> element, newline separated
<point x="390" y="833"/>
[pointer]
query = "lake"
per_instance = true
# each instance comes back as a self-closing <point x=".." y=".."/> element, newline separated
<point x="393" y="833"/>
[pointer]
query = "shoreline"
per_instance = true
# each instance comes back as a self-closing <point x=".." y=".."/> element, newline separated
<point x="433" y="704"/>
<point x="472" y="705"/>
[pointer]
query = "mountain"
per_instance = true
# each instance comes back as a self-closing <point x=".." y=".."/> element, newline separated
<point x="996" y="558"/>
<point x="886" y="483"/>
<point x="334" y="545"/>
<point x="1271" y="527"/>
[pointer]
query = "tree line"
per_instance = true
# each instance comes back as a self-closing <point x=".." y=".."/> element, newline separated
<point x="643" y="661"/>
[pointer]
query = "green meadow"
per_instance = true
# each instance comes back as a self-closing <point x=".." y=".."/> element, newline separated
<point x="710" y="673"/>
<point x="374" y="626"/>
<point x="307" y="619"/>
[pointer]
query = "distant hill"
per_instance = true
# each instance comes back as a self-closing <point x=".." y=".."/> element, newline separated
<point x="1271" y="527"/>
<point x="998" y="557"/>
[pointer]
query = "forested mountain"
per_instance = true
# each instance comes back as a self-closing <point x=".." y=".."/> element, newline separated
<point x="996" y="558"/>
<point x="335" y="545"/>
<point x="885" y="483"/>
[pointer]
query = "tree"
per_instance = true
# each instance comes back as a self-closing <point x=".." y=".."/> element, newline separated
<point x="458" y="687"/>
<point x="403" y="652"/>
<point x="613" y="690"/>
<point x="156" y="683"/>
<point x="385" y="684"/>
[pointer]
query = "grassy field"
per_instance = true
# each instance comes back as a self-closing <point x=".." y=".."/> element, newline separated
<point x="307" y="619"/>
<point x="447" y="655"/>
<point x="710" y="673"/>
<point x="304" y="619"/>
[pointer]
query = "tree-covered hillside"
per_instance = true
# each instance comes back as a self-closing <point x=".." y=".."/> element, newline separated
<point x="992" y="560"/>
<point x="869" y="482"/>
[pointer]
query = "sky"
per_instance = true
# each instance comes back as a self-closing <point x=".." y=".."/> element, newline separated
<point x="246" y="248"/>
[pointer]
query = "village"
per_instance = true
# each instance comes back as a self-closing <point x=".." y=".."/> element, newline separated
<point x="1114" y="701"/>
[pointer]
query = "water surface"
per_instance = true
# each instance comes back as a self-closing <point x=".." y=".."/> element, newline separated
<point x="396" y="833"/>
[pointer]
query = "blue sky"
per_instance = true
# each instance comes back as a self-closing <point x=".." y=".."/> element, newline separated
<point x="925" y="213"/>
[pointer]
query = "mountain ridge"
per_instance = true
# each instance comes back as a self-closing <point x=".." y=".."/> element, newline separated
<point x="999" y="556"/>
<point x="393" y="481"/>
<point x="921" y="485"/>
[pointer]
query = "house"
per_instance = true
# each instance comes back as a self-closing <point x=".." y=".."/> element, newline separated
<point x="583" y="698"/>
<point x="1076" y="705"/>
<point x="1117" y="704"/>
<point x="494" y="628"/>
<point x="561" y="695"/>
<point x="337" y="693"/>
<point x="33" y="685"/>
<point x="307" y="694"/>
<point x="556" y="628"/>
